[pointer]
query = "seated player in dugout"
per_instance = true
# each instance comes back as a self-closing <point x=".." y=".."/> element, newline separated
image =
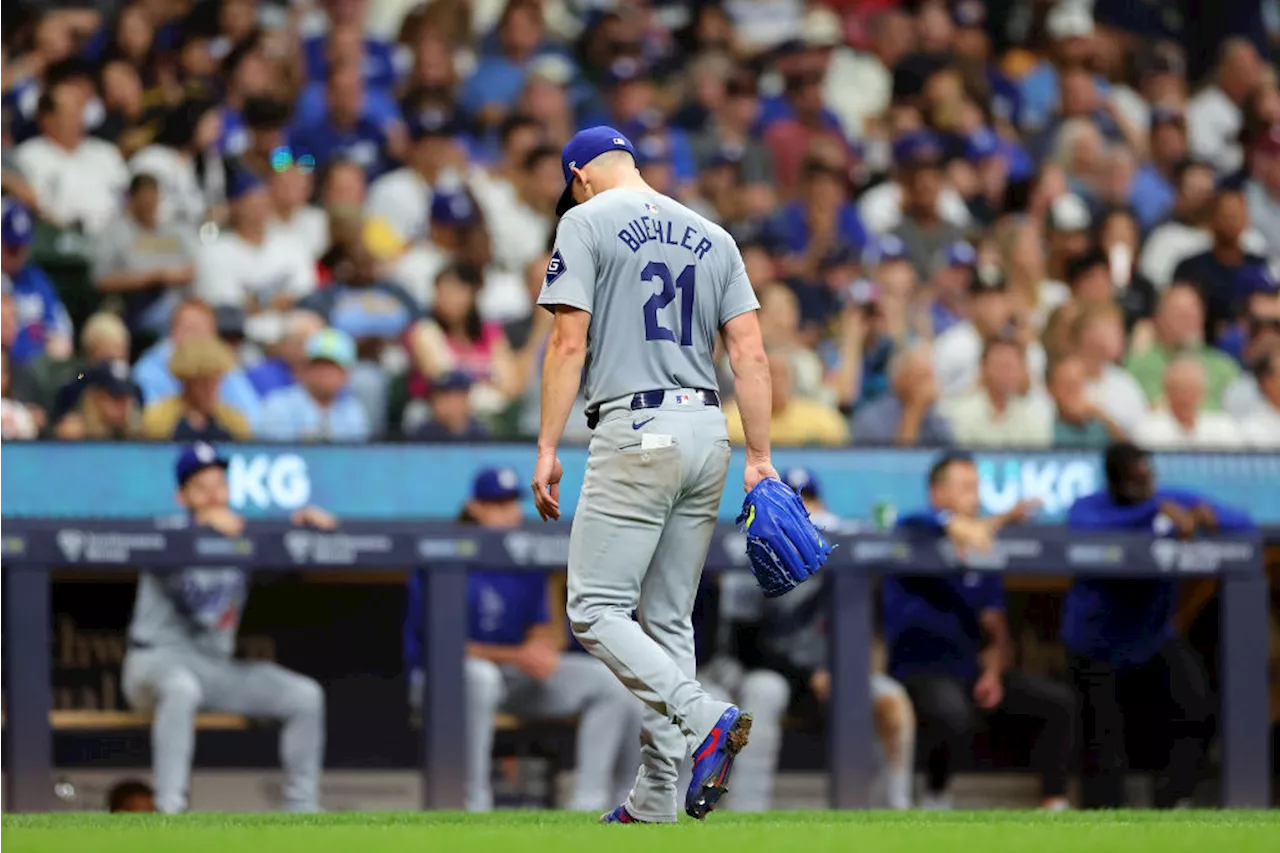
<point x="777" y="662"/>
<point x="948" y="643"/>
<point x="1131" y="669"/>
<point x="517" y="664"/>
<point x="182" y="639"/>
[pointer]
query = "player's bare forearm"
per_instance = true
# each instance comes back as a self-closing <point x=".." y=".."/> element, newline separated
<point x="502" y="655"/>
<point x="999" y="649"/>
<point x="561" y="374"/>
<point x="750" y="382"/>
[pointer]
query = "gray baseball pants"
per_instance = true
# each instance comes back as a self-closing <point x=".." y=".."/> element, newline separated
<point x="608" y="725"/>
<point x="640" y="536"/>
<point x="175" y="683"/>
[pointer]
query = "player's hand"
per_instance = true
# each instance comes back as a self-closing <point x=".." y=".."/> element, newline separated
<point x="546" y="485"/>
<point x="757" y="471"/>
<point x="975" y="534"/>
<point x="988" y="691"/>
<point x="538" y="659"/>
<point x="222" y="520"/>
<point x="1023" y="511"/>
<point x="1184" y="520"/>
<point x="314" y="516"/>
<point x="820" y="684"/>
<point x="1206" y="519"/>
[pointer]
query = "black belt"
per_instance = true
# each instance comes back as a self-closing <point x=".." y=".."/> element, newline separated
<point x="654" y="399"/>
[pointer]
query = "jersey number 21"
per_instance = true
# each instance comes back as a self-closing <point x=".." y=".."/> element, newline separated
<point x="656" y="272"/>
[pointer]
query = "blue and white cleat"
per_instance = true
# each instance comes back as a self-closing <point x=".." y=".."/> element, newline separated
<point x="713" y="761"/>
<point x="620" y="815"/>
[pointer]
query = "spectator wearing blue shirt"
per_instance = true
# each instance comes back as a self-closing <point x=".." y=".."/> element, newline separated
<point x="951" y="285"/>
<point x="908" y="414"/>
<point x="1070" y="30"/>
<point x="631" y="99"/>
<point x="823" y="222"/>
<point x="347" y="131"/>
<point x="280" y="369"/>
<point x="1153" y="191"/>
<point x="379" y="67"/>
<point x="492" y="90"/>
<point x="319" y="406"/>
<point x="948" y="642"/>
<point x="1129" y="666"/>
<point x="44" y="327"/>
<point x="191" y="319"/>
<point x="516" y="662"/>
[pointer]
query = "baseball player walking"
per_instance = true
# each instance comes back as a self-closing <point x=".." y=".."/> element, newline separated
<point x="181" y="640"/>
<point x="640" y="285"/>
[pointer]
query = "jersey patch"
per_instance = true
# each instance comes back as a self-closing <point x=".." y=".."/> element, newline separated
<point x="555" y="268"/>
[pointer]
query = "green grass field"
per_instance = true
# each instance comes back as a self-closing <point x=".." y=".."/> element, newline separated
<point x="558" y="832"/>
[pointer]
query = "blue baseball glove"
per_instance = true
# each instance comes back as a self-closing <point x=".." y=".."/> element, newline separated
<point x="784" y="546"/>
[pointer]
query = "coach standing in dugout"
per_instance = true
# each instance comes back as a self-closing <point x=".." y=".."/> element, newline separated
<point x="948" y="642"/>
<point x="181" y="640"/>
<point x="1128" y="663"/>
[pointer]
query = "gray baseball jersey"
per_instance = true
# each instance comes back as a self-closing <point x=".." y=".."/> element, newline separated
<point x="182" y="637"/>
<point x="659" y="281"/>
<point x="196" y="609"/>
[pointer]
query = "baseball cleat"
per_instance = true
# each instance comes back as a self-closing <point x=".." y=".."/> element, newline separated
<point x="713" y="761"/>
<point x="620" y="815"/>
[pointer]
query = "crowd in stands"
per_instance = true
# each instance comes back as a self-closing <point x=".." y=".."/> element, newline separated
<point x="1026" y="223"/>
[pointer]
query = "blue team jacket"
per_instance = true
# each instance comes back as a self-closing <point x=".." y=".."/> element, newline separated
<point x="1125" y="622"/>
<point x="931" y="624"/>
<point x="501" y="608"/>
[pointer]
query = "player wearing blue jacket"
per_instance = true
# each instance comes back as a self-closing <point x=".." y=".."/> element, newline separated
<point x="1127" y="662"/>
<point x="516" y="662"/>
<point x="948" y="643"/>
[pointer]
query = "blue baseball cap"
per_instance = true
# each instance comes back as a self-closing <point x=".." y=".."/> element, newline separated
<point x="887" y="247"/>
<point x="586" y="146"/>
<point x="981" y="144"/>
<point x="17" y="225"/>
<point x="496" y="484"/>
<point x="452" y="208"/>
<point x="653" y="149"/>
<point x="332" y="345"/>
<point x="961" y="254"/>
<point x="802" y="481"/>
<point x="432" y="122"/>
<point x="916" y="149"/>
<point x="194" y="459"/>
<point x="242" y="183"/>
<point x="454" y="380"/>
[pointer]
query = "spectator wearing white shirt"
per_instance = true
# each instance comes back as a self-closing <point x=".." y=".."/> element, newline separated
<point x="1261" y="428"/>
<point x="1214" y="115"/>
<point x="149" y="265"/>
<point x="76" y="179"/>
<point x="291" y="186"/>
<point x="1181" y="424"/>
<point x="1097" y="339"/>
<point x="957" y="352"/>
<point x="403" y="197"/>
<point x="189" y="131"/>
<point x="998" y="413"/>
<point x="452" y="212"/>
<point x="858" y="86"/>
<point x="250" y="267"/>
<point x="520" y="212"/>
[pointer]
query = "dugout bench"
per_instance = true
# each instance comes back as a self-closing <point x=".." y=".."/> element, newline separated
<point x="444" y="552"/>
